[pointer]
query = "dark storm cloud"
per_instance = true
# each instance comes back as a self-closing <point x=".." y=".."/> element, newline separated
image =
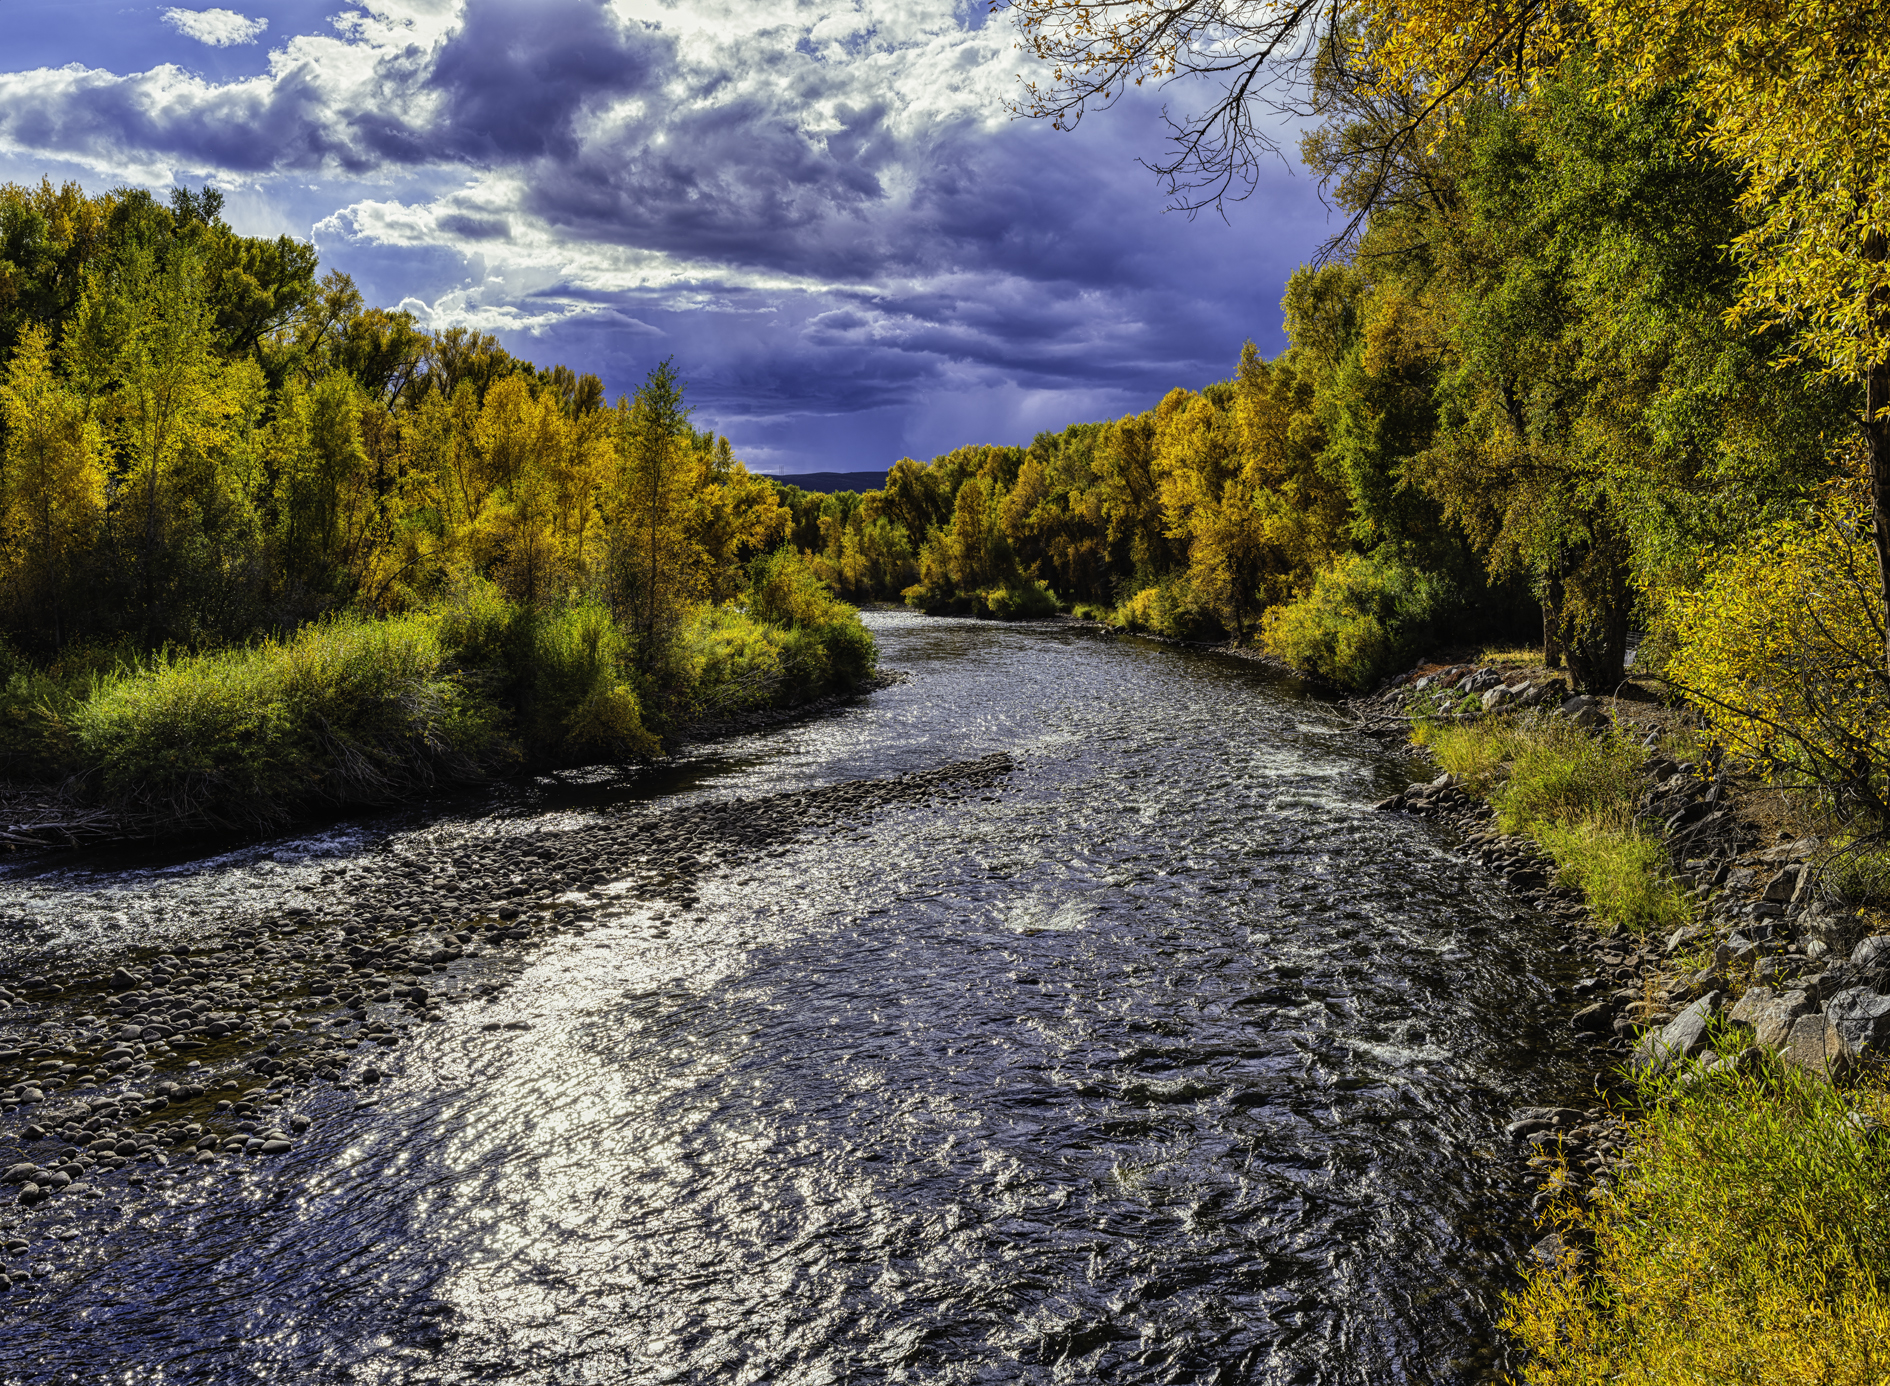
<point x="507" y="84"/>
<point x="518" y="73"/>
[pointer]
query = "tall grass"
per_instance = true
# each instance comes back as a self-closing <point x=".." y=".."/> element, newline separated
<point x="347" y="710"/>
<point x="1748" y="1241"/>
<point x="355" y="710"/>
<point x="1574" y="795"/>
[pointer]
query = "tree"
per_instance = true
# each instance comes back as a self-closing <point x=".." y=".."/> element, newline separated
<point x="52" y="488"/>
<point x="142" y="348"/>
<point x="656" y="567"/>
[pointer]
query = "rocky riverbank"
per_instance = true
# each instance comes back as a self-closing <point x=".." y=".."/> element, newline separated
<point x="120" y="1084"/>
<point x="1767" y="956"/>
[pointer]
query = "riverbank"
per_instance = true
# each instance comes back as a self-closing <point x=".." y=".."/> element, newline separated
<point x="1737" y="1031"/>
<point x="364" y="713"/>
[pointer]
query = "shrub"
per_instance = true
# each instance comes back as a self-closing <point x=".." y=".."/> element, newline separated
<point x="1779" y="646"/>
<point x="579" y="702"/>
<point x="1749" y="1241"/>
<point x="35" y="713"/>
<point x="1023" y="600"/>
<point x="734" y="660"/>
<point x="1171" y="608"/>
<point x="1364" y="617"/>
<point x="784" y="591"/>
<point x="346" y="711"/>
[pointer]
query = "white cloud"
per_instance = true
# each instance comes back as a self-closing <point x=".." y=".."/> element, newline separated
<point x="218" y="28"/>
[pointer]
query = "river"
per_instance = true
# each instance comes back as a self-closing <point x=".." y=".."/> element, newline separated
<point x="1162" y="1059"/>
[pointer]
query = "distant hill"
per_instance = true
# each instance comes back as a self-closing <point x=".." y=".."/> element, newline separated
<point x="828" y="482"/>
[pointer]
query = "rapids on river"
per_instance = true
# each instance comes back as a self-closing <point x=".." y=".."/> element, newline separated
<point x="1162" y="1059"/>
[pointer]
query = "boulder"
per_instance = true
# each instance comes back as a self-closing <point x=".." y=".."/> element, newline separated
<point x="1873" y="954"/>
<point x="1582" y="710"/>
<point x="1594" y="1020"/>
<point x="1814" y="1045"/>
<point x="1861" y="1018"/>
<point x="1780" y="889"/>
<point x="1682" y="1038"/>
<point x="1769" y="1016"/>
<point x="1500" y="696"/>
<point x="1686" y="933"/>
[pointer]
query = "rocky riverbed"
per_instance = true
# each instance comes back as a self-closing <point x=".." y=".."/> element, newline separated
<point x="117" y="1085"/>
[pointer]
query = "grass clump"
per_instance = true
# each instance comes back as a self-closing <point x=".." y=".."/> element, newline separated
<point x="1574" y="795"/>
<point x="1749" y="1241"/>
<point x="1476" y="753"/>
<point x="1621" y="873"/>
<point x="346" y="710"/>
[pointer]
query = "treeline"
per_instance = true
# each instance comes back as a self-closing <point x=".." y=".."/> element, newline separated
<point x="205" y="443"/>
<point x="1520" y="408"/>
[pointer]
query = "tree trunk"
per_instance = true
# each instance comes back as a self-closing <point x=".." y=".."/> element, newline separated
<point x="1596" y="649"/>
<point x="1552" y="619"/>
<point x="1877" y="450"/>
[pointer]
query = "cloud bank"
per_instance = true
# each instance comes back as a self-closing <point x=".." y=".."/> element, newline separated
<point x="819" y="208"/>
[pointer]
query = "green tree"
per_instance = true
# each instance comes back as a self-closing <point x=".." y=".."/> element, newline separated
<point x="655" y="565"/>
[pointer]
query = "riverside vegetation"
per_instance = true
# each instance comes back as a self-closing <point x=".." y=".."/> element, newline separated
<point x="264" y="548"/>
<point x="1720" y="1216"/>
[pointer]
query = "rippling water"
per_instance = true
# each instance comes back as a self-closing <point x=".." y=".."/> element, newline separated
<point x="1165" y="1060"/>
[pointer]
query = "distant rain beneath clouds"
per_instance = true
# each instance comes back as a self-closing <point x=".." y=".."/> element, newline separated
<point x="821" y="210"/>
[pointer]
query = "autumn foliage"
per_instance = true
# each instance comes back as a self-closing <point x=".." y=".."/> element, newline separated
<point x="248" y="521"/>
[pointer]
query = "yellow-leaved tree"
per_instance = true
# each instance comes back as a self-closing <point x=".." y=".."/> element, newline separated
<point x="1780" y="644"/>
<point x="52" y="488"/>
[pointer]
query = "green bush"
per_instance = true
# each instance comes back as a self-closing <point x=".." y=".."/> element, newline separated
<point x="1172" y="609"/>
<point x="1019" y="601"/>
<point x="1364" y="617"/>
<point x="346" y="711"/>
<point x="578" y="702"/>
<point x="1748" y="1241"/>
<point x="783" y="590"/>
<point x="734" y="661"/>
<point x="822" y="645"/>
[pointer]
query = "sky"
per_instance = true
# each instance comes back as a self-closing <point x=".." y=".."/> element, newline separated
<point x="820" y="209"/>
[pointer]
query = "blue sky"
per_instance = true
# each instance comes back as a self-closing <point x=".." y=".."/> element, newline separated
<point x="819" y="208"/>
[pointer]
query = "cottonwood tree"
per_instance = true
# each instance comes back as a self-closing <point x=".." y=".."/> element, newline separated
<point x="52" y="487"/>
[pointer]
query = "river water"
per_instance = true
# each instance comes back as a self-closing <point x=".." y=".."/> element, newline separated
<point x="1165" y="1059"/>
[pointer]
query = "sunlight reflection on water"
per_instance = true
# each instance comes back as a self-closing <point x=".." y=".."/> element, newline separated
<point x="1165" y="1060"/>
